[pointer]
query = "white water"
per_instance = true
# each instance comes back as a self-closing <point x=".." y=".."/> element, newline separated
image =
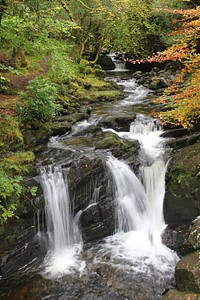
<point x="120" y="65"/>
<point x="64" y="238"/>
<point x="130" y="196"/>
<point x="140" y="221"/>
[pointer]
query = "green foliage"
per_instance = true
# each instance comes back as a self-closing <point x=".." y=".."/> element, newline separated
<point x="131" y="27"/>
<point x="4" y="85"/>
<point x="11" y="170"/>
<point x="10" y="191"/>
<point x="10" y="134"/>
<point x="164" y="19"/>
<point x="62" y="66"/>
<point x="33" y="191"/>
<point x="37" y="104"/>
<point x="18" y="163"/>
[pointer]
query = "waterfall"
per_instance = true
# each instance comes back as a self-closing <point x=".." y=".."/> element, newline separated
<point x="130" y="196"/>
<point x="140" y="202"/>
<point x="137" y="244"/>
<point x="119" y="65"/>
<point x="64" y="237"/>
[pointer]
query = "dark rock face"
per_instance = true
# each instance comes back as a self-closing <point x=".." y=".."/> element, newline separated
<point x="92" y="198"/>
<point x="182" y="199"/>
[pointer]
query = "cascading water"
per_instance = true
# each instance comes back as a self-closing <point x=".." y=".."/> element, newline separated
<point x="140" y="221"/>
<point x="152" y="170"/>
<point x="64" y="237"/>
<point x="130" y="196"/>
<point x="118" y="61"/>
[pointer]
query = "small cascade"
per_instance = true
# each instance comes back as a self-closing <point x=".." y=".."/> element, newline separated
<point x="119" y="65"/>
<point x="63" y="234"/>
<point x="145" y="127"/>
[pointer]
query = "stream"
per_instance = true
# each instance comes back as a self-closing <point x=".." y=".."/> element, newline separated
<point x="125" y="257"/>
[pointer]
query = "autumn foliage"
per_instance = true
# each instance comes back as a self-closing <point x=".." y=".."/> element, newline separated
<point x="181" y="101"/>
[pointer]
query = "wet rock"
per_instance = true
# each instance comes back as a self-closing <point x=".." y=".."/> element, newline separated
<point x="90" y="131"/>
<point x="187" y="273"/>
<point x="98" y="220"/>
<point x="119" y="123"/>
<point x="130" y="284"/>
<point x="174" y="133"/>
<point x="178" y="295"/>
<point x="138" y="74"/>
<point x="89" y="288"/>
<point x="89" y="189"/>
<point x="120" y="148"/>
<point x="109" y="141"/>
<point x="186" y="140"/>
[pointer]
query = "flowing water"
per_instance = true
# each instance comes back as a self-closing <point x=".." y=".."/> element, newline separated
<point x="137" y="241"/>
<point x="63" y="233"/>
<point x="136" y="247"/>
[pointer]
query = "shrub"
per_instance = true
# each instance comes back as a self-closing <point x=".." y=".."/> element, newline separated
<point x="37" y="104"/>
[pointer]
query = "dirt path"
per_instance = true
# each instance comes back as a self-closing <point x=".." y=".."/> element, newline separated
<point x="18" y="83"/>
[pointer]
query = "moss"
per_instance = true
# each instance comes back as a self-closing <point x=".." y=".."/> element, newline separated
<point x="91" y="88"/>
<point x="10" y="135"/>
<point x="108" y="141"/>
<point x="18" y="163"/>
<point x="185" y="172"/>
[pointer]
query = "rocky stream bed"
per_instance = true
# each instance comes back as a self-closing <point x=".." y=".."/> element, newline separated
<point x="80" y="148"/>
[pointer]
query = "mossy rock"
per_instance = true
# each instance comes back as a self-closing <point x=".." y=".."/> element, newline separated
<point x="177" y="295"/>
<point x="187" y="273"/>
<point x="106" y="140"/>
